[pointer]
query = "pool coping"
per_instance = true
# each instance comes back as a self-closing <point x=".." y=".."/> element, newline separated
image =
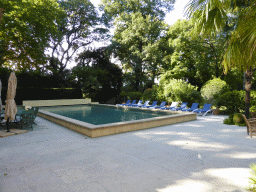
<point x="120" y="127"/>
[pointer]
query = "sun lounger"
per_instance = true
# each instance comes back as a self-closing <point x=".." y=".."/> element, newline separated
<point x="127" y="103"/>
<point x="133" y="103"/>
<point x="183" y="105"/>
<point x="161" y="105"/>
<point x="174" y="104"/>
<point x="206" y="109"/>
<point x="138" y="104"/>
<point x="192" y="108"/>
<point x="153" y="104"/>
<point x="144" y="105"/>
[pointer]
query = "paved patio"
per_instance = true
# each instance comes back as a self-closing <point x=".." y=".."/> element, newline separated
<point x="202" y="156"/>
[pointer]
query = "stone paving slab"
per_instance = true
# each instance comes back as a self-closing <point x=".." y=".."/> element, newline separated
<point x="203" y="155"/>
<point x="4" y="133"/>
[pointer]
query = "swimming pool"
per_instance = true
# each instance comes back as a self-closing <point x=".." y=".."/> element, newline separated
<point x="89" y="119"/>
<point x="98" y="115"/>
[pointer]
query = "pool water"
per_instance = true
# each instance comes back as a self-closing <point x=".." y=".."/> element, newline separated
<point x="98" y="115"/>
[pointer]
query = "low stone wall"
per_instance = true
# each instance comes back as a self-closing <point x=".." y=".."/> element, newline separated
<point x="120" y="127"/>
<point x="47" y="103"/>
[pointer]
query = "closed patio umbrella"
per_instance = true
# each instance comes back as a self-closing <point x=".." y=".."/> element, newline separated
<point x="10" y="107"/>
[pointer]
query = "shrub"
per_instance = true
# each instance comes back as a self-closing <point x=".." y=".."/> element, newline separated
<point x="179" y="90"/>
<point x="252" y="186"/>
<point x="147" y="94"/>
<point x="134" y="95"/>
<point x="234" y="101"/>
<point x="234" y="78"/>
<point x="228" y="121"/>
<point x="234" y="119"/>
<point x="152" y="94"/>
<point x="253" y="98"/>
<point x="238" y="119"/>
<point x="212" y="89"/>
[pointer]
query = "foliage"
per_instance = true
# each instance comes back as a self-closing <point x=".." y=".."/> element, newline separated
<point x="213" y="87"/>
<point x="238" y="119"/>
<point x="252" y="186"/>
<point x="134" y="95"/>
<point x="213" y="17"/>
<point x="194" y="59"/>
<point x="77" y="31"/>
<point x="101" y="80"/>
<point x="234" y="79"/>
<point x="229" y="120"/>
<point x="253" y="97"/>
<point x="235" y="119"/>
<point x="26" y="30"/>
<point x="216" y="17"/>
<point x="138" y="28"/>
<point x="152" y="94"/>
<point x="119" y="10"/>
<point x="179" y="90"/>
<point x="123" y="94"/>
<point x="233" y="100"/>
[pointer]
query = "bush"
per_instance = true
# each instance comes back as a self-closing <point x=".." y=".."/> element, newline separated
<point x="212" y="89"/>
<point x="228" y="121"/>
<point x="234" y="101"/>
<point x="234" y="119"/>
<point x="252" y="186"/>
<point x="238" y="119"/>
<point x="253" y="98"/>
<point x="152" y="94"/>
<point x="180" y="91"/>
<point x="234" y="78"/>
<point x="134" y="95"/>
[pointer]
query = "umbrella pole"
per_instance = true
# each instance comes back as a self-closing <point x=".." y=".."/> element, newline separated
<point x="7" y="124"/>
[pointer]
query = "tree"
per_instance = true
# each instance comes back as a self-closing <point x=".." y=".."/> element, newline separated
<point x="211" y="16"/>
<point x="97" y="76"/>
<point x="77" y="31"/>
<point x="26" y="30"/>
<point x="139" y="26"/>
<point x="195" y="60"/>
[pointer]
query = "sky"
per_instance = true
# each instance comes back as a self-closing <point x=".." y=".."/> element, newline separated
<point x="171" y="18"/>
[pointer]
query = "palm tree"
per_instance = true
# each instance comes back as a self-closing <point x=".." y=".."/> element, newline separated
<point x="211" y="16"/>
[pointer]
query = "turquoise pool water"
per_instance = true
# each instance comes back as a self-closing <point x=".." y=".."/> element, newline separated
<point x="98" y="115"/>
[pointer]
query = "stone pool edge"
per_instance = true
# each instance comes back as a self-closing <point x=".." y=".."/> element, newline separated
<point x="91" y="130"/>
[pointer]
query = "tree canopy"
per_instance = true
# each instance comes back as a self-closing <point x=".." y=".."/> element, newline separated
<point x="138" y="28"/>
<point x="211" y="16"/>
<point x="26" y="30"/>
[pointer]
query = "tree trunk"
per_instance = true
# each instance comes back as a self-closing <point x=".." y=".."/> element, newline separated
<point x="248" y="84"/>
<point x="137" y="77"/>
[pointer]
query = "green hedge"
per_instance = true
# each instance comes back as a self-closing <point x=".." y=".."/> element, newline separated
<point x="23" y="94"/>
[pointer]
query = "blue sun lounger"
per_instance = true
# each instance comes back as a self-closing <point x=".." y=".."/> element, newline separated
<point x="174" y="104"/>
<point x="183" y="105"/>
<point x="206" y="109"/>
<point x="127" y="103"/>
<point x="145" y="104"/>
<point x="160" y="106"/>
<point x="138" y="104"/>
<point x="153" y="104"/>
<point x="192" y="108"/>
<point x="133" y="103"/>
